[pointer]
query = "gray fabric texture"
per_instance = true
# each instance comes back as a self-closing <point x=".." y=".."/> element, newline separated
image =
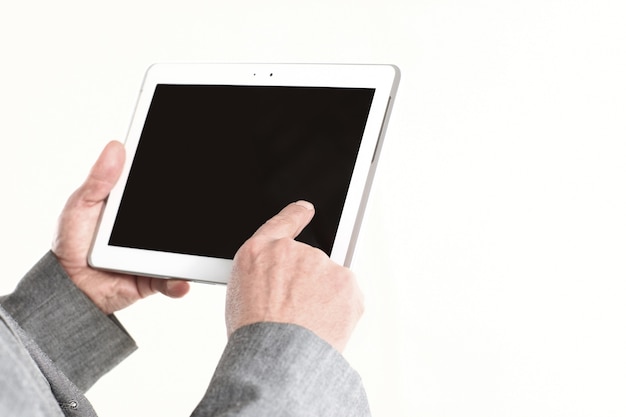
<point x="82" y="342"/>
<point x="276" y="369"/>
<point x="23" y="390"/>
<point x="30" y="383"/>
<point x="54" y="344"/>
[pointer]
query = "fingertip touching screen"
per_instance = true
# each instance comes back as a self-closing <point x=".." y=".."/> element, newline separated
<point x="214" y="162"/>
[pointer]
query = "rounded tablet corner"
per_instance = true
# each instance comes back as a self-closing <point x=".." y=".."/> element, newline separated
<point x="152" y="69"/>
<point x="153" y="66"/>
<point x="91" y="262"/>
<point x="397" y="73"/>
<point x="394" y="69"/>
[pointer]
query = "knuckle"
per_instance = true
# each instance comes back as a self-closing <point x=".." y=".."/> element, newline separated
<point x="283" y="244"/>
<point x="258" y="249"/>
<point x="249" y="247"/>
<point x="251" y="250"/>
<point x="318" y="256"/>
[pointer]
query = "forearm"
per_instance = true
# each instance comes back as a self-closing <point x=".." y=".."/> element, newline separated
<point x="272" y="369"/>
<point x="82" y="341"/>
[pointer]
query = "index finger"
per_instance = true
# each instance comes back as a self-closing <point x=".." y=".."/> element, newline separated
<point x="289" y="222"/>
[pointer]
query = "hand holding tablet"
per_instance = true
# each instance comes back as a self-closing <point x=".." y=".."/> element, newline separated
<point x="206" y="140"/>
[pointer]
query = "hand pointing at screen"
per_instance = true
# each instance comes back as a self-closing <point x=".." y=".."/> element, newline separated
<point x="278" y="279"/>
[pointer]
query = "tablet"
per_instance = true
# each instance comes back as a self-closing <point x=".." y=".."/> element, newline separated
<point x="215" y="150"/>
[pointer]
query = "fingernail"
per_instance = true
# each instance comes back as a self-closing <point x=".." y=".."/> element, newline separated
<point x="305" y="204"/>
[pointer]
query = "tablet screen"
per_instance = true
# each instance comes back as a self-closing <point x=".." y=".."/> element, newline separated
<point x="213" y="163"/>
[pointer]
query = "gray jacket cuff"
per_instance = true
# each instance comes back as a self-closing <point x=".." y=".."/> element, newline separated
<point x="82" y="341"/>
<point x="275" y="369"/>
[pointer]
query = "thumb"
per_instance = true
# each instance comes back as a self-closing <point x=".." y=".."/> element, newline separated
<point x="104" y="173"/>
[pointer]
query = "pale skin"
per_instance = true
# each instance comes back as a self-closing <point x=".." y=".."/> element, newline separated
<point x="76" y="227"/>
<point x="274" y="277"/>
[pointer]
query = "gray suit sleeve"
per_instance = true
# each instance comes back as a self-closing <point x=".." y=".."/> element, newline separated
<point x="274" y="369"/>
<point x="267" y="369"/>
<point x="82" y="342"/>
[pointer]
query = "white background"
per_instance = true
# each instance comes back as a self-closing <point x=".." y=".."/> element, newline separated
<point x="492" y="255"/>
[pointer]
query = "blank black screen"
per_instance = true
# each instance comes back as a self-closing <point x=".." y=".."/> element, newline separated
<point x="213" y="163"/>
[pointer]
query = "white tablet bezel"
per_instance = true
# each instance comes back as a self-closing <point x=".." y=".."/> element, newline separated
<point x="382" y="78"/>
